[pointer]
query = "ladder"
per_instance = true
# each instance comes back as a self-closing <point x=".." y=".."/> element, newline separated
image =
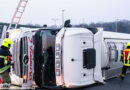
<point x="18" y="14"/>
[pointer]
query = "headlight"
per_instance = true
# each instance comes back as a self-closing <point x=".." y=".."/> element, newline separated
<point x="57" y="55"/>
<point x="57" y="64"/>
<point x="57" y="47"/>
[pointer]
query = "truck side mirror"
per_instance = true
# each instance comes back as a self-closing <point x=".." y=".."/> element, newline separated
<point x="67" y="23"/>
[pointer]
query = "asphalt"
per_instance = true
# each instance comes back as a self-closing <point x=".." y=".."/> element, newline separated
<point x="111" y="84"/>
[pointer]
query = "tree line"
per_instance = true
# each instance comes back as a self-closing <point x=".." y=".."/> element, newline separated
<point x="122" y="26"/>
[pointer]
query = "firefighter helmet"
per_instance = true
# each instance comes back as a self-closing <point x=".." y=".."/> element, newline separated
<point x="128" y="44"/>
<point x="7" y="42"/>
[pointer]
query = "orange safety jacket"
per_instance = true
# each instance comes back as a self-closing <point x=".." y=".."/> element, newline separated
<point x="126" y="57"/>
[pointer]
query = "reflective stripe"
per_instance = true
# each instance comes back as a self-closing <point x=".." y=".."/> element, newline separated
<point x="4" y="69"/>
<point x="128" y="56"/>
<point x="2" y="56"/>
<point x="126" y="65"/>
<point x="128" y="59"/>
<point x="128" y="62"/>
<point x="5" y="59"/>
<point x="122" y="75"/>
<point x="5" y="62"/>
<point x="124" y="55"/>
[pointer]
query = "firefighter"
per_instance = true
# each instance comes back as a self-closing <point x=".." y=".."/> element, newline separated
<point x="5" y="60"/>
<point x="50" y="65"/>
<point x="125" y="57"/>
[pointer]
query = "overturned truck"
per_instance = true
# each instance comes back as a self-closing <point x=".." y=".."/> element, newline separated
<point x="71" y="57"/>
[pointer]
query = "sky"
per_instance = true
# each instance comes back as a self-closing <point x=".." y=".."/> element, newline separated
<point x="50" y="12"/>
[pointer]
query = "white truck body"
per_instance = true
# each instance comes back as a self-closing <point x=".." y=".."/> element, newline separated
<point x="69" y="56"/>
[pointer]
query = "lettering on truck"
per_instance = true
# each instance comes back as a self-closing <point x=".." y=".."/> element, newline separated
<point x="31" y="53"/>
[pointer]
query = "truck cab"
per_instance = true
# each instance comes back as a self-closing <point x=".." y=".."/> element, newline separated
<point x="77" y="57"/>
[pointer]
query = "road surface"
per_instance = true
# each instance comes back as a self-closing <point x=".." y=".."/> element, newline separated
<point x="111" y="84"/>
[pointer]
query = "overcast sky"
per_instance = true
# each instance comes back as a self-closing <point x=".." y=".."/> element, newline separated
<point x="79" y="11"/>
